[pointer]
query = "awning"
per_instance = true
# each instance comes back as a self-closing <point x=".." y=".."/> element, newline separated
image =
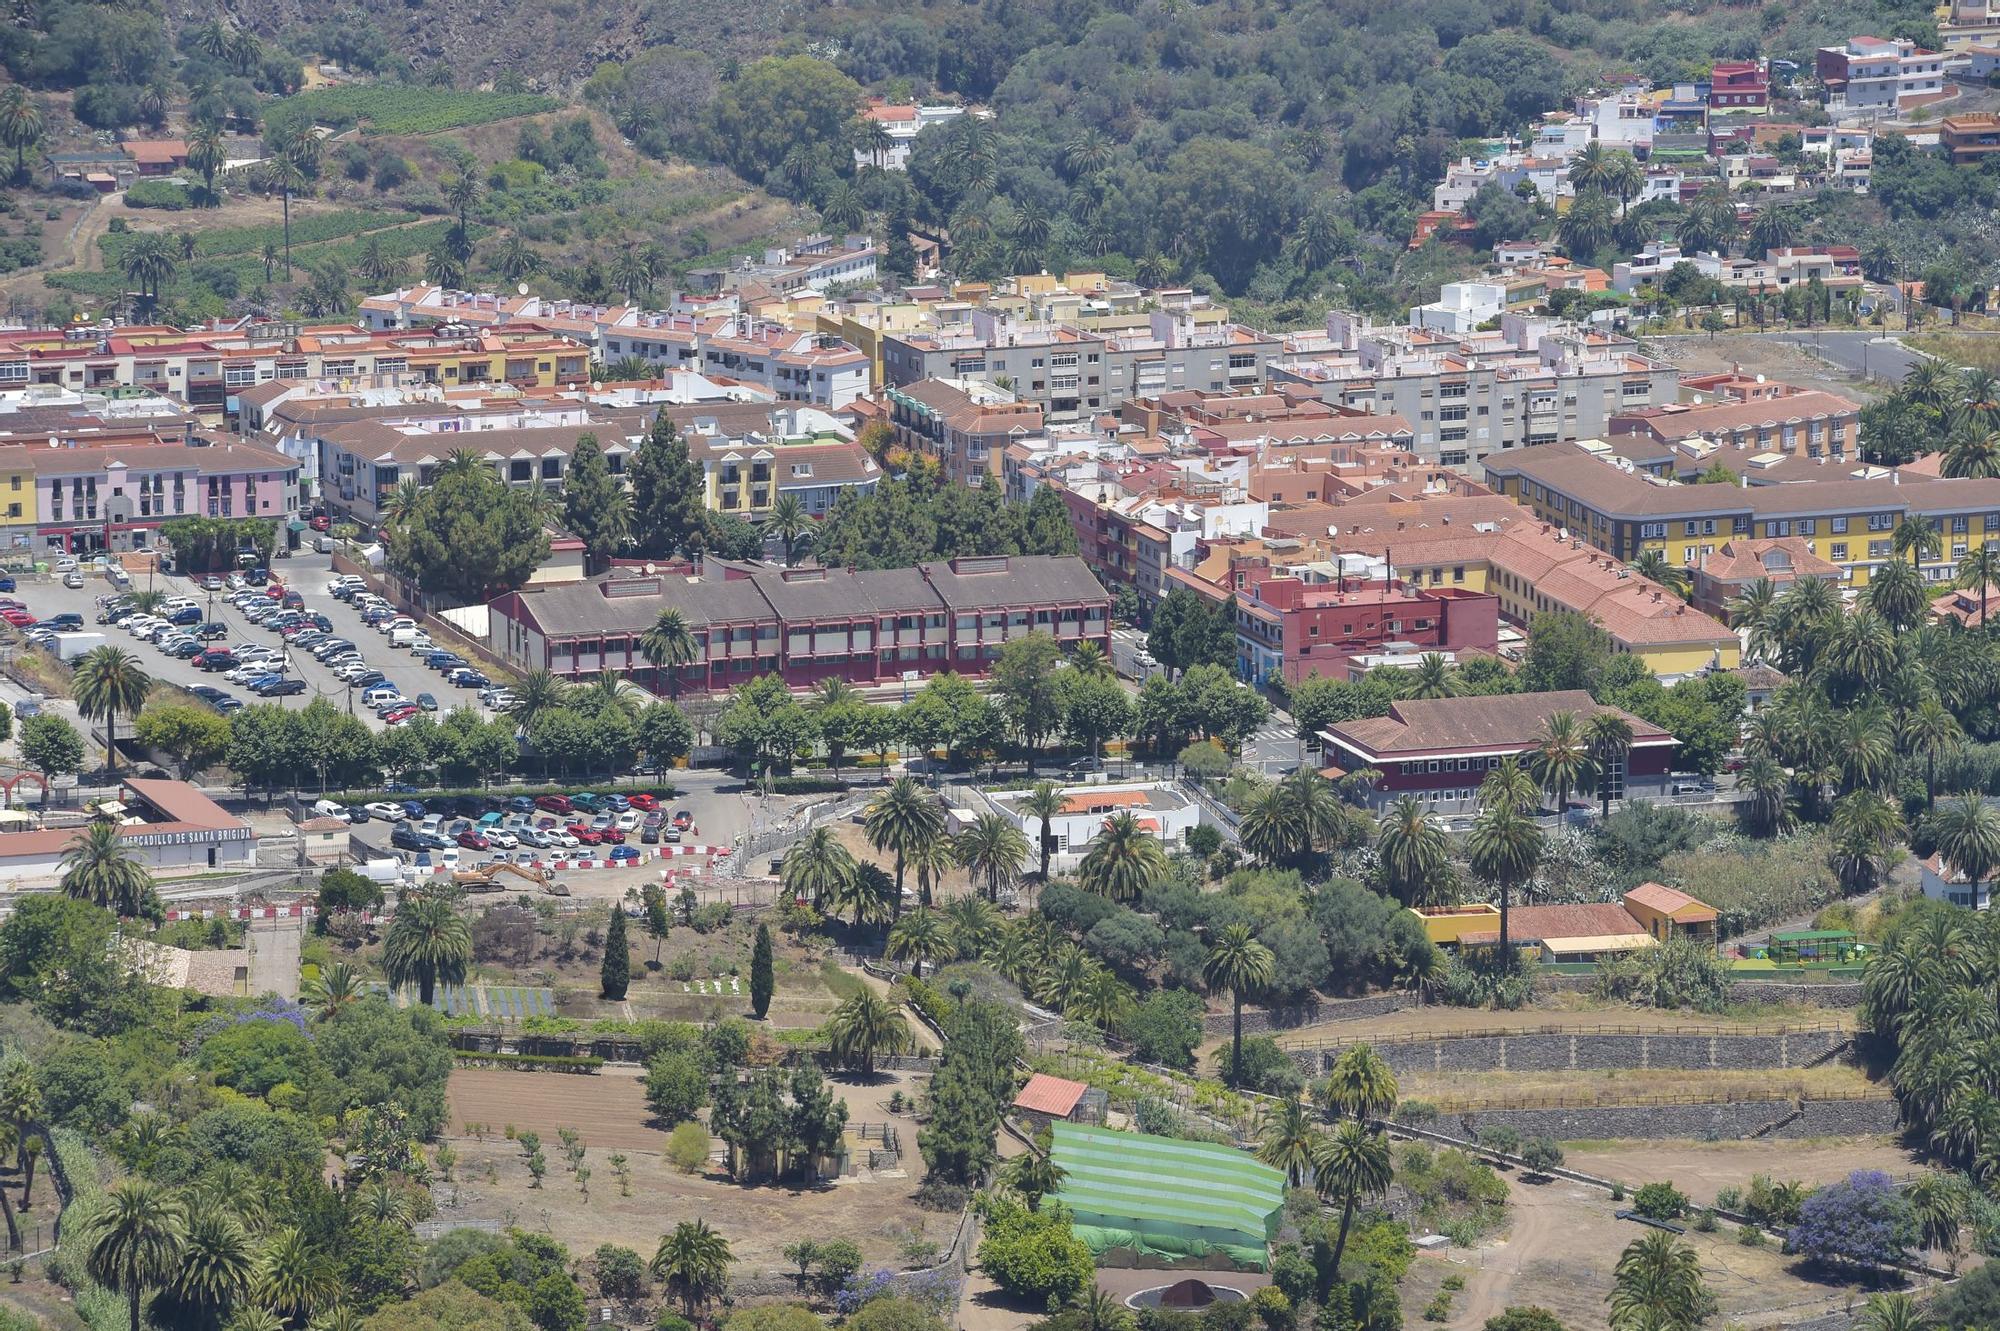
<point x="1563" y="947"/>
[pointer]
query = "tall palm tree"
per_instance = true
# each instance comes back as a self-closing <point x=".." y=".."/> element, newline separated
<point x="1967" y="832"/>
<point x="1361" y="1084"/>
<point x="921" y="936"/>
<point x="1352" y="1163"/>
<point x="1608" y="737"/>
<point x="789" y="523"/>
<point x="863" y="1027"/>
<point x="1511" y="784"/>
<point x="20" y="125"/>
<point x="132" y="1240"/>
<point x="1931" y="734"/>
<point x="1237" y="962"/>
<point x="1753" y="610"/>
<point x="1273" y="828"/>
<point x="1432" y="677"/>
<point x="1917" y="536"/>
<point x="901" y="821"/>
<point x="1289" y="1139"/>
<point x="1973" y="452"/>
<point x="1770" y="790"/>
<point x="1979" y="568"/>
<point x="693" y="1262"/>
<point x="1123" y="861"/>
<point x="817" y="868"/>
<point x="669" y="644"/>
<point x="282" y="175"/>
<point x="1657" y="1286"/>
<point x="1561" y="761"/>
<point x="1655" y="566"/>
<point x="1043" y="801"/>
<point x="1898" y="594"/>
<point x="1414" y="851"/>
<point x="930" y="861"/>
<point x="98" y="866"/>
<point x="1865" y="825"/>
<point x="866" y="893"/>
<point x="109" y="683"/>
<point x="1591" y="168"/>
<point x="428" y="944"/>
<point x="293" y="1278"/>
<point x="992" y="851"/>
<point x="1504" y="848"/>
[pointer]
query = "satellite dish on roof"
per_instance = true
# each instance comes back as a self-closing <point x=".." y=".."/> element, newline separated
<point x="520" y="288"/>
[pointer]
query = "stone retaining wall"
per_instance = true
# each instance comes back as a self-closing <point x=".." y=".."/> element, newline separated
<point x="1546" y="1052"/>
<point x="1727" y="1121"/>
<point x="1262" y="1021"/>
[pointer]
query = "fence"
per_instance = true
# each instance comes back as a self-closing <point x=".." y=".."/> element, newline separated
<point x="1558" y="1028"/>
<point x="1613" y="1099"/>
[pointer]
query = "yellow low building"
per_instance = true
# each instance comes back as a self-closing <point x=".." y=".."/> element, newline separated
<point x="1446" y="925"/>
<point x="1667" y="913"/>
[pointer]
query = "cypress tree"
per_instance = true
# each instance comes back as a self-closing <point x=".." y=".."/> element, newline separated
<point x="616" y="975"/>
<point x="762" y="982"/>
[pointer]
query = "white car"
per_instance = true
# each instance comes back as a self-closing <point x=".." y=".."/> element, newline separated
<point x="140" y="625"/>
<point x="630" y="819"/>
<point x="389" y="626"/>
<point x="562" y="837"/>
<point x="502" y="838"/>
<point x="387" y="812"/>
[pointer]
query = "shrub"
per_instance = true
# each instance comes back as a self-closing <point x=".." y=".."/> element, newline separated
<point x="1617" y="1192"/>
<point x="1032" y="1254"/>
<point x="1773" y="1203"/>
<point x="1660" y="1201"/>
<point x="1541" y="1154"/>
<point x="1438" y="1308"/>
<point x="1500" y="1138"/>
<point x="1750" y="1236"/>
<point x="165" y="194"/>
<point x="1863" y="1221"/>
<point x="1729" y="1199"/>
<point x="1704" y="1221"/>
<point x="687" y="1148"/>
<point x="620" y="1273"/>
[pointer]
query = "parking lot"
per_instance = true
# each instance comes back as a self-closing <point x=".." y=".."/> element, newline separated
<point x="307" y="575"/>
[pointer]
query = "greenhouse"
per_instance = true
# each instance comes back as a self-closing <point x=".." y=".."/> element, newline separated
<point x="1165" y="1198"/>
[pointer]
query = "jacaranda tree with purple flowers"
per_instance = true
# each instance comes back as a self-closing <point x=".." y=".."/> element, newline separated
<point x="1863" y="1222"/>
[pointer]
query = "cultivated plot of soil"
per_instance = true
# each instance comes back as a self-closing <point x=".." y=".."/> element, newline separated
<point x="1558" y="1251"/>
<point x="874" y="1210"/>
<point x="1701" y="1169"/>
<point x="1450" y="1090"/>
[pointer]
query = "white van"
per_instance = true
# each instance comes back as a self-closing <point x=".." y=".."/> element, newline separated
<point x="179" y="603"/>
<point x="404" y="636"/>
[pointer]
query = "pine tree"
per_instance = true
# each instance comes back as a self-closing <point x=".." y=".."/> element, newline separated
<point x="762" y="982"/>
<point x="616" y="975"/>
<point x="1049" y="531"/>
<point x="591" y="507"/>
<point x="669" y="503"/>
<point x="898" y="255"/>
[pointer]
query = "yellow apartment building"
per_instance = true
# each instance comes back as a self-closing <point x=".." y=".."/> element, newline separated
<point x="1846" y="513"/>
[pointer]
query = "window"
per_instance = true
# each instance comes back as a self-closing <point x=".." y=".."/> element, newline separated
<point x="1691" y="528"/>
<point x="1806" y="526"/>
<point x="1960" y="525"/>
<point x="1878" y="549"/>
<point x="1881" y="521"/>
<point x="1838" y="526"/>
<point x="1837" y="551"/>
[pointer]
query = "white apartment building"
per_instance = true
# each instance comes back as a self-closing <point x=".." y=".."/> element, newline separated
<point x="1877" y="74"/>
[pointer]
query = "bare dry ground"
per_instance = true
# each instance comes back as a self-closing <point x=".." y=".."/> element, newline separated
<point x="1697" y="354"/>
<point x="874" y="1210"/>
<point x="1701" y="1169"/>
<point x="1460" y="1090"/>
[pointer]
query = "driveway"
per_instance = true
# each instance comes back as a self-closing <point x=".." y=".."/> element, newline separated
<point x="274" y="956"/>
<point x="1865" y="353"/>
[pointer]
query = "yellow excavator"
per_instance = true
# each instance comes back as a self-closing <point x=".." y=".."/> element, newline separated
<point x="485" y="878"/>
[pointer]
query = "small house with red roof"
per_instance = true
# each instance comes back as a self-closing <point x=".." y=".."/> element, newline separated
<point x="1160" y="808"/>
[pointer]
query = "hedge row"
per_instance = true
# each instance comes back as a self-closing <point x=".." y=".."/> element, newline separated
<point x="582" y="1063"/>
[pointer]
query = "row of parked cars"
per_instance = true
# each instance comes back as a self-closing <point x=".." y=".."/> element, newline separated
<point x="380" y="694"/>
<point x="547" y="822"/>
<point x="178" y="629"/>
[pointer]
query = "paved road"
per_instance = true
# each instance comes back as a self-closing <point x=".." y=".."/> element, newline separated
<point x="1865" y="353"/>
<point x="274" y="956"/>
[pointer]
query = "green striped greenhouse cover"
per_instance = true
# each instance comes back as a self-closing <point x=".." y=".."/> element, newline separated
<point x="1176" y="1187"/>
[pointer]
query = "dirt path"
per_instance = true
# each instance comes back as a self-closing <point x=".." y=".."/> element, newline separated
<point x="1532" y="1235"/>
<point x="79" y="247"/>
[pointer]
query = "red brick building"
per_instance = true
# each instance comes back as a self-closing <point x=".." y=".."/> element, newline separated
<point x="1286" y="626"/>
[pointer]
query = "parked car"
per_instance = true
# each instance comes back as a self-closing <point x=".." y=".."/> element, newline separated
<point x="585" y="800"/>
<point x="405" y="837"/>
<point x="210" y="631"/>
<point x="281" y="688"/>
<point x="553" y="803"/>
<point x="427" y="702"/>
<point x="386" y="811"/>
<point x="644" y="802"/>
<point x="683" y="820"/>
<point x="183" y="648"/>
<point x="472" y="839"/>
<point x="584" y="833"/>
<point x="623" y="855"/>
<point x="396" y="716"/>
<point x="216" y="659"/>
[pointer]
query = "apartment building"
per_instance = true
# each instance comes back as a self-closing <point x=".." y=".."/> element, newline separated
<point x="114" y="497"/>
<point x="815" y="261"/>
<point x="747" y="474"/>
<point x="1971" y="137"/>
<point x="1738" y="86"/>
<point x="1846" y="514"/>
<point x="1878" y="74"/>
<point x="966" y="424"/>
<point x="1531" y="381"/>
<point x="900" y="126"/>
<point x="1806" y="423"/>
<point x="1069" y="372"/>
<point x="869" y="626"/>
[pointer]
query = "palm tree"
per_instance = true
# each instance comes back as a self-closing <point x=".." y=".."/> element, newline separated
<point x="1967" y="833"/>
<point x="132" y="1240"/>
<point x="1774" y="229"/>
<point x="1608" y="737"/>
<point x="1033" y="1175"/>
<point x="1895" y="1311"/>
<point x="973" y="924"/>
<point x="1237" y="962"/>
<point x="788" y="521"/>
<point x="428" y="943"/>
<point x="1351" y="1163"/>
<point x="1044" y="801"/>
<point x="1931" y="733"/>
<point x="1770" y="792"/>
<point x="293" y="1279"/>
<point x="903" y="820"/>
<point x="216" y="1263"/>
<point x="1362" y="1084"/>
<point x="283" y="175"/>
<point x="817" y="868"/>
<point x="335" y="991"/>
<point x="98" y="866"/>
<point x="1123" y="861"/>
<point x="1587" y="227"/>
<point x="607" y="690"/>
<point x="1979" y="568"/>
<point x="921" y="936"/>
<point x="516" y="259"/>
<point x="991" y="850"/>
<point x="1561" y="761"/>
<point x="20" y="125"/>
<point x="843" y="209"/>
<point x="109" y="683"/>
<point x="863" y="1027"/>
<point x="1657" y="1286"/>
<point x="1103" y="1000"/>
<point x="866" y="893"/>
<point x="1754" y="610"/>
<point x="1504" y="848"/>
<point x="1898" y="594"/>
<point x="669" y="644"/>
<point x="1591" y="168"/>
<point x="1273" y="828"/>
<point x="694" y="1263"/>
<point x="441" y="268"/>
<point x="1865" y="825"/>
<point x="1973" y="452"/>
<point x="1090" y="662"/>
<point x="1432" y="677"/>
<point x="148" y="263"/>
<point x="539" y="692"/>
<point x="1414" y="850"/>
<point x="1917" y="536"/>
<point x="1653" y="565"/>
<point x="1511" y="784"/>
<point x="1289" y="1139"/>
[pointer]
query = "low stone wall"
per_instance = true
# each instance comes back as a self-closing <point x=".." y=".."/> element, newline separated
<point x="1543" y="1051"/>
<point x="1726" y="1120"/>
<point x="1262" y="1021"/>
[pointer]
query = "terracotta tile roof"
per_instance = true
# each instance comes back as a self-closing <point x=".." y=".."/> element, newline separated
<point x="1504" y="721"/>
<point x="1543" y="923"/>
<point x="1778" y="558"/>
<point x="1108" y="799"/>
<point x="1054" y="1096"/>
<point x="1668" y="901"/>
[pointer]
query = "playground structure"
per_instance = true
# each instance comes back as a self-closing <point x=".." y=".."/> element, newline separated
<point x="485" y="878"/>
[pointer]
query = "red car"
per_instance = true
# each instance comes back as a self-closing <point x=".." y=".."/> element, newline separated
<point x="553" y="803"/>
<point x="471" y="840"/>
<point x="321" y="523"/>
<point x="400" y="715"/>
<point x="644" y="803"/>
<point x="683" y="820"/>
<point x="18" y="618"/>
<point x="611" y="836"/>
<point x="584" y="833"/>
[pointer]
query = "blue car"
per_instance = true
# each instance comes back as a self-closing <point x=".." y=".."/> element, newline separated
<point x="260" y="681"/>
<point x="521" y="804"/>
<point x="187" y="615"/>
<point x="622" y="855"/>
<point x="413" y="809"/>
<point x="615" y="803"/>
<point x="6" y="582"/>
